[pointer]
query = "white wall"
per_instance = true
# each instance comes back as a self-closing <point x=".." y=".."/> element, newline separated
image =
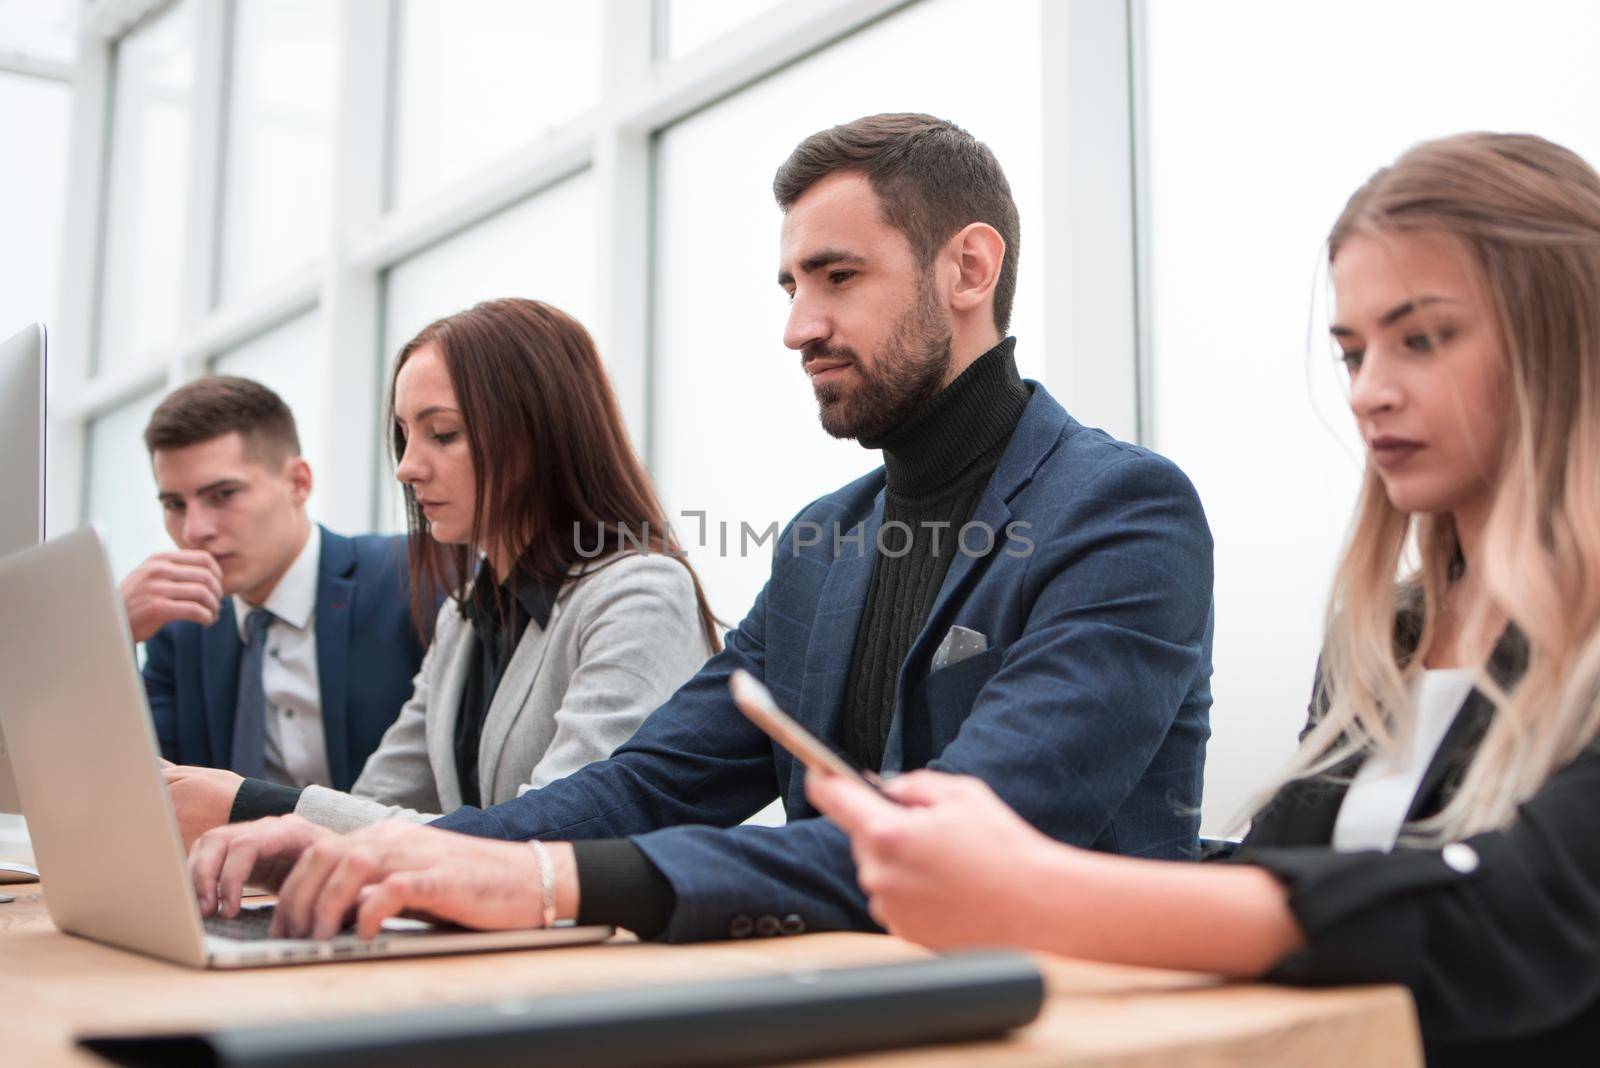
<point x="1263" y="118"/>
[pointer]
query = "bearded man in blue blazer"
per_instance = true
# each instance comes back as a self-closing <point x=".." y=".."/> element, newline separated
<point x="1013" y="595"/>
<point x="274" y="647"/>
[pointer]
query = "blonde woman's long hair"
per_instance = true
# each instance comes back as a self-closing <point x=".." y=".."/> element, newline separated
<point x="1528" y="213"/>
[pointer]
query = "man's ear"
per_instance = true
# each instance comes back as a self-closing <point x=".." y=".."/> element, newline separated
<point x="978" y="251"/>
<point x="298" y="472"/>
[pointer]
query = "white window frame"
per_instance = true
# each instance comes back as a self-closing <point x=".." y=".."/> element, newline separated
<point x="1087" y="242"/>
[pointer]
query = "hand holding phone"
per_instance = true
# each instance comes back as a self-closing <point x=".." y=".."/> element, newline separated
<point x="755" y="701"/>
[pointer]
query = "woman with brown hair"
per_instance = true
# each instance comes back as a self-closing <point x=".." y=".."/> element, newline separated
<point x="569" y="612"/>
<point x="1438" y="825"/>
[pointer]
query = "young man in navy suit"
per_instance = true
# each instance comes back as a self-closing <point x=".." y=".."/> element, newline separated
<point x="255" y="625"/>
<point x="1012" y="595"/>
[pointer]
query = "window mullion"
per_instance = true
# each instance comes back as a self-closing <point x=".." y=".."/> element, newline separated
<point x="209" y="126"/>
<point x="350" y="300"/>
<point x="622" y="216"/>
<point x="1087" y="234"/>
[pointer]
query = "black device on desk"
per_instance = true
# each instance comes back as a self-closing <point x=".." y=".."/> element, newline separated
<point x="745" y="1021"/>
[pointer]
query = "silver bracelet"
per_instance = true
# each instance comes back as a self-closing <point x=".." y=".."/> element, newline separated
<point x="547" y="881"/>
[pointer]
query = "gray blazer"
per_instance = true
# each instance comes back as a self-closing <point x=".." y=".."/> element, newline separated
<point x="620" y="640"/>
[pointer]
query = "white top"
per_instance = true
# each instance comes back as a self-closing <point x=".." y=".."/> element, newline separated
<point x="1375" y="807"/>
<point x="296" y="751"/>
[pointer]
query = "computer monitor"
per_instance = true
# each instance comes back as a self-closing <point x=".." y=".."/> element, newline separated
<point x="22" y="399"/>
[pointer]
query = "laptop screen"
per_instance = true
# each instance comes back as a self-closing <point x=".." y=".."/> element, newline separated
<point x="22" y="444"/>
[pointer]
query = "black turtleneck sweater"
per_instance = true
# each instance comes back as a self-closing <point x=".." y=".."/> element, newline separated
<point x="936" y="465"/>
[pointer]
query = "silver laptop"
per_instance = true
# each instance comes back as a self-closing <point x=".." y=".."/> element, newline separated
<point x="22" y="391"/>
<point x="87" y="764"/>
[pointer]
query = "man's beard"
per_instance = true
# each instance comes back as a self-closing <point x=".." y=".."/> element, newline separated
<point x="906" y="374"/>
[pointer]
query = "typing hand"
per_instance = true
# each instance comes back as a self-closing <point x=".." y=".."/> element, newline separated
<point x="937" y="866"/>
<point x="201" y="797"/>
<point x="262" y="852"/>
<point x="171" y="586"/>
<point x="394" y="867"/>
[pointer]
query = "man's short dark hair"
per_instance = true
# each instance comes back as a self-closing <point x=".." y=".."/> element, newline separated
<point x="210" y="407"/>
<point x="931" y="176"/>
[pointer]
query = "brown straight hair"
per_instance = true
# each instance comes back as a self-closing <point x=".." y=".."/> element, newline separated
<point x="932" y="178"/>
<point x="210" y="407"/>
<point x="551" y="460"/>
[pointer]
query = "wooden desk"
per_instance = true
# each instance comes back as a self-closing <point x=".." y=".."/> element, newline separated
<point x="53" y="986"/>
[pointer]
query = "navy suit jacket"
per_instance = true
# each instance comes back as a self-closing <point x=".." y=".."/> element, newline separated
<point x="368" y="652"/>
<point x="1088" y="713"/>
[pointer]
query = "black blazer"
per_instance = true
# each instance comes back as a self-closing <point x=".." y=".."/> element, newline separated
<point x="1498" y="937"/>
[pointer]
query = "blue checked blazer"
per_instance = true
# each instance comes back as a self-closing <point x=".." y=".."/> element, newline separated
<point x="1088" y="713"/>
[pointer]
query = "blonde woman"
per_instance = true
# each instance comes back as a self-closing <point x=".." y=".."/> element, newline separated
<point x="1440" y="824"/>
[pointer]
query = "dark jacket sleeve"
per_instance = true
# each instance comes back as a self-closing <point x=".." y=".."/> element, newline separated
<point x="1066" y="725"/>
<point x="676" y="791"/>
<point x="1497" y="936"/>
<point x="160" y="691"/>
<point x="694" y="760"/>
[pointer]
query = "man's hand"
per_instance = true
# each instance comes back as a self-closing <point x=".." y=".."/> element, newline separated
<point x="171" y="586"/>
<point x="948" y="866"/>
<point x="395" y="867"/>
<point x="261" y="852"/>
<point x="202" y="797"/>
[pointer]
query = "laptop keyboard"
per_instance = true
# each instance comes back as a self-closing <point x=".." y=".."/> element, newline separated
<point x="248" y="926"/>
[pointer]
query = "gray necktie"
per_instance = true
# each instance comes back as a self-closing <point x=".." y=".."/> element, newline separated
<point x="250" y="711"/>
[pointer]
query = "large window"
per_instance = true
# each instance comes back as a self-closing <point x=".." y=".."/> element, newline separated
<point x="279" y="141"/>
<point x="121" y="490"/>
<point x="40" y="29"/>
<point x="34" y="113"/>
<point x="474" y="85"/>
<point x="286" y="359"/>
<point x="735" y="432"/>
<point x="692" y="24"/>
<point x="149" y="186"/>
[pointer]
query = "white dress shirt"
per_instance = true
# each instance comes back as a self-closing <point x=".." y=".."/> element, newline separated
<point x="1375" y="806"/>
<point x="296" y="751"/>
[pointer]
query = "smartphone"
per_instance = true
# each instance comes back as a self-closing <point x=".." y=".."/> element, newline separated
<point x="756" y="702"/>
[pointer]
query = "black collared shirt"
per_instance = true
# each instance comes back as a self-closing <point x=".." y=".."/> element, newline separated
<point x="499" y="614"/>
<point x="525" y="598"/>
